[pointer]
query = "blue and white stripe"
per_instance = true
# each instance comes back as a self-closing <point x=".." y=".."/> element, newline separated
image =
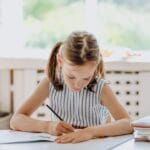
<point x="81" y="108"/>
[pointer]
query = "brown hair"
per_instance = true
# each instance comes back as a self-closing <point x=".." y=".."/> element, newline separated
<point x="79" y="48"/>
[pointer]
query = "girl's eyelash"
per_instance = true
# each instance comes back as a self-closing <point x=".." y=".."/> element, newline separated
<point x="71" y="77"/>
<point x="74" y="78"/>
<point x="87" y="79"/>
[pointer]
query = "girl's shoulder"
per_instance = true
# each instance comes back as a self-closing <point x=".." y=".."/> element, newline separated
<point x="44" y="83"/>
<point x="45" y="80"/>
<point x="102" y="81"/>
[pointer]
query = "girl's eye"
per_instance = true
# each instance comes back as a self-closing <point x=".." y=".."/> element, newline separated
<point x="71" y="77"/>
<point x="86" y="79"/>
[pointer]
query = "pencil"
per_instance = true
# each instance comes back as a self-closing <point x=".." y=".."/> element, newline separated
<point x="54" y="112"/>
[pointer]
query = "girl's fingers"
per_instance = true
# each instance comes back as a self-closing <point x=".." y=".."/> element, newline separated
<point x="64" y="139"/>
<point x="60" y="127"/>
<point x="63" y="130"/>
<point x="75" y="141"/>
<point x="67" y="126"/>
<point x="79" y="139"/>
<point x="74" y="137"/>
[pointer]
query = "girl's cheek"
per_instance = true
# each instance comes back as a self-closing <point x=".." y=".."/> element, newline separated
<point x="68" y="82"/>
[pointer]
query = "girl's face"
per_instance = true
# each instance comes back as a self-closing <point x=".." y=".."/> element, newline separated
<point x="77" y="77"/>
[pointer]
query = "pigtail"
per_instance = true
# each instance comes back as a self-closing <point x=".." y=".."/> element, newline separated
<point x="100" y="72"/>
<point x="52" y="67"/>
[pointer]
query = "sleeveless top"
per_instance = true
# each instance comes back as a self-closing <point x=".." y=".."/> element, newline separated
<point x="81" y="108"/>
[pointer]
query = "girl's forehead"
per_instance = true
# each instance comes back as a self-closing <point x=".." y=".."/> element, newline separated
<point x="88" y="67"/>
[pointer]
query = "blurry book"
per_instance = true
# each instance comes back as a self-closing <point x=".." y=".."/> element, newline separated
<point x="141" y="137"/>
<point x="143" y="122"/>
<point x="142" y="129"/>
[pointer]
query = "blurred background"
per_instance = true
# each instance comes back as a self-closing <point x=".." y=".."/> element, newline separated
<point x="29" y="29"/>
<point x="40" y="24"/>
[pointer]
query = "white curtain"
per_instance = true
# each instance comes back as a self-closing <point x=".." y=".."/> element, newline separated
<point x="11" y="33"/>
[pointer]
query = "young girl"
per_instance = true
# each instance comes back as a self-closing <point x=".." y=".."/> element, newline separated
<point x="77" y="92"/>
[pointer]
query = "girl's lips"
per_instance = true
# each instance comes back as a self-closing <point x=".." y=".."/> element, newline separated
<point x="76" y="89"/>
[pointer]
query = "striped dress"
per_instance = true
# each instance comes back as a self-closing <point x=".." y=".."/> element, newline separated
<point x="82" y="108"/>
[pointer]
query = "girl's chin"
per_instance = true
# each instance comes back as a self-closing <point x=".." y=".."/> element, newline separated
<point x="75" y="90"/>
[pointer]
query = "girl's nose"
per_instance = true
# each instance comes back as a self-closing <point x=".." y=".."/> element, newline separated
<point x="78" y="84"/>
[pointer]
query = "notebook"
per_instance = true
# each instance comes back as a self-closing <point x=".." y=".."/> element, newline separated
<point x="10" y="136"/>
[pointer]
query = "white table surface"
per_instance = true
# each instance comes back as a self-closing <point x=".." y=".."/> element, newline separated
<point x="132" y="145"/>
<point x="125" y="142"/>
<point x="95" y="144"/>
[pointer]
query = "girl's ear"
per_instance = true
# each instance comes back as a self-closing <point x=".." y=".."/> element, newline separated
<point x="59" y="60"/>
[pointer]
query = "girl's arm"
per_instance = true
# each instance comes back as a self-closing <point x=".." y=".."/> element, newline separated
<point x="21" y="120"/>
<point x="121" y="125"/>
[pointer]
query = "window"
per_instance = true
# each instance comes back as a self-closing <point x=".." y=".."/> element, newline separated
<point x="11" y="31"/>
<point x="116" y="23"/>
<point x="121" y="23"/>
<point x="124" y="23"/>
<point x="49" y="21"/>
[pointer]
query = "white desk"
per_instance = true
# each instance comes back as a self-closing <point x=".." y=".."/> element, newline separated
<point x="125" y="142"/>
<point x="96" y="144"/>
<point x="112" y="143"/>
<point x="132" y="145"/>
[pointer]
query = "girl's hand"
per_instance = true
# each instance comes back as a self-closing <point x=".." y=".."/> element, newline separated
<point x="59" y="127"/>
<point x="77" y="136"/>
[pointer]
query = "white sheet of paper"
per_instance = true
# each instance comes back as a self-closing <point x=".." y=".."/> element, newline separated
<point x="145" y="121"/>
<point x="10" y="136"/>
